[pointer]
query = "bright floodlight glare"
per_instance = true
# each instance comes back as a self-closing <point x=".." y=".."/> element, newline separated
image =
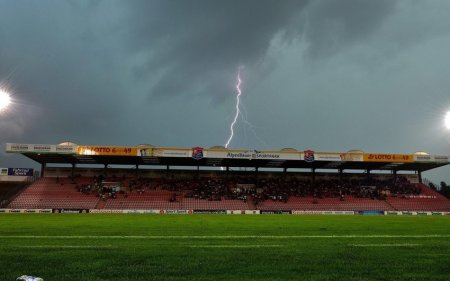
<point x="447" y="120"/>
<point x="5" y="100"/>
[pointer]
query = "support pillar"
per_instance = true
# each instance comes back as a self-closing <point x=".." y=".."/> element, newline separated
<point x="419" y="173"/>
<point x="313" y="174"/>
<point x="43" y="166"/>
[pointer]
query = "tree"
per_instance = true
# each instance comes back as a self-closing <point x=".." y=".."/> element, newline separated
<point x="445" y="189"/>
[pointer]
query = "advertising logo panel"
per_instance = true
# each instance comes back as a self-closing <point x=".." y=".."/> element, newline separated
<point x="197" y="153"/>
<point x="400" y="158"/>
<point x="24" y="172"/>
<point x="309" y="155"/>
<point x="107" y="150"/>
<point x="171" y="152"/>
<point x="252" y="154"/>
<point x="352" y="157"/>
<point x="40" y="148"/>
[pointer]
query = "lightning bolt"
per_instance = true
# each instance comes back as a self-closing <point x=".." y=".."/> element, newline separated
<point x="238" y="110"/>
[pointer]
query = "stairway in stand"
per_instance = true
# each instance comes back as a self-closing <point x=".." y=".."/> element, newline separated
<point x="251" y="203"/>
<point x="390" y="205"/>
<point x="101" y="204"/>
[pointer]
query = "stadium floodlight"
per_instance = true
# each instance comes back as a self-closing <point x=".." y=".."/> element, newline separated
<point x="447" y="120"/>
<point x="5" y="99"/>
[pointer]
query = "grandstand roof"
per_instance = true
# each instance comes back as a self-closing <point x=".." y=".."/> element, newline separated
<point x="219" y="157"/>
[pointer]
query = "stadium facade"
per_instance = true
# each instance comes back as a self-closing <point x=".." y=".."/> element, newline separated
<point x="217" y="179"/>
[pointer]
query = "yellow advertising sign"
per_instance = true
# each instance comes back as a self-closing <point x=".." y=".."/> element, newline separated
<point x="107" y="150"/>
<point x="401" y="158"/>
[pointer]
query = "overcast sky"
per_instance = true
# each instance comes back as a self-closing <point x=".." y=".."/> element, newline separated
<point x="329" y="75"/>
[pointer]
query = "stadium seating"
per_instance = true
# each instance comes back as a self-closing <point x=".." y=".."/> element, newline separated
<point x="147" y="200"/>
<point x="225" y="204"/>
<point x="428" y="200"/>
<point x="225" y="194"/>
<point x="47" y="193"/>
<point x="8" y="190"/>
<point x="326" y="204"/>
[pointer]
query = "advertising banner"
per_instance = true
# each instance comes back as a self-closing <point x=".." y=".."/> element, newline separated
<point x="319" y="156"/>
<point x="352" y="157"/>
<point x="27" y="172"/>
<point x="171" y="152"/>
<point x="40" y="148"/>
<point x="371" y="213"/>
<point x="441" y="158"/>
<point x="107" y="150"/>
<point x="177" y="212"/>
<point x="143" y="211"/>
<point x="144" y="151"/>
<point x="243" y="212"/>
<point x="281" y="212"/>
<point x="70" y="211"/>
<point x="3" y="171"/>
<point x="400" y="158"/>
<point x="222" y="212"/>
<point x="105" y="211"/>
<point x="423" y="158"/>
<point x="27" y="211"/>
<point x="66" y="149"/>
<point x="252" y="154"/>
<point x="312" y="212"/>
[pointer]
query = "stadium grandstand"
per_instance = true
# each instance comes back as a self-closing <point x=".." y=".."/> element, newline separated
<point x="82" y="178"/>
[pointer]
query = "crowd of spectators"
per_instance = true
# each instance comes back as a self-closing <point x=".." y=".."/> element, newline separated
<point x="213" y="189"/>
<point x="99" y="187"/>
<point x="279" y="188"/>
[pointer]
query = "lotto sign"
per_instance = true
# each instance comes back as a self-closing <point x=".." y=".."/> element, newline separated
<point x="401" y="158"/>
<point x="107" y="150"/>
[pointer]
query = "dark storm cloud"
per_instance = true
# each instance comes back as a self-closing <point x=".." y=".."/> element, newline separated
<point x="334" y="24"/>
<point x="163" y="72"/>
<point x="79" y="54"/>
<point x="61" y="65"/>
<point x="197" y="42"/>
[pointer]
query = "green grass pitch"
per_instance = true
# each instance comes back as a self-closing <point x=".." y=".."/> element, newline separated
<point x="224" y="247"/>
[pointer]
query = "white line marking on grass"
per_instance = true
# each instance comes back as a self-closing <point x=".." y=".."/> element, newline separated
<point x="217" y="236"/>
<point x="386" y="245"/>
<point x="235" y="246"/>
<point x="62" y="247"/>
